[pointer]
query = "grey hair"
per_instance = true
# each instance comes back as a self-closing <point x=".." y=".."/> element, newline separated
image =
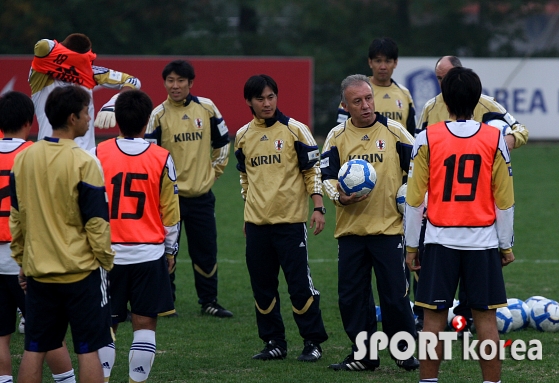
<point x="454" y="61"/>
<point x="352" y="80"/>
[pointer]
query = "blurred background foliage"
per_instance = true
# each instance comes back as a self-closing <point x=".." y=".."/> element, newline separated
<point x="335" y="33"/>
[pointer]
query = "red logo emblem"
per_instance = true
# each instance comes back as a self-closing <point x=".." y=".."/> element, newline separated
<point x="198" y="123"/>
<point x="278" y="144"/>
<point x="381" y="145"/>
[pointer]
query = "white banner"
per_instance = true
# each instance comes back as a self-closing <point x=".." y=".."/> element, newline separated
<point x="527" y="88"/>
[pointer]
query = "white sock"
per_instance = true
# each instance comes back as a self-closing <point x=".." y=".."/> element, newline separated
<point x="6" y="379"/>
<point x="65" y="377"/>
<point x="107" y="357"/>
<point x="141" y="355"/>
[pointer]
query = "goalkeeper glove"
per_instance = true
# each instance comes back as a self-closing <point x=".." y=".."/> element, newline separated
<point x="106" y="117"/>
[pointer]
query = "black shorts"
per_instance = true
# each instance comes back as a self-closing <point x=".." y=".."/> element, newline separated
<point x="83" y="304"/>
<point x="443" y="267"/>
<point x="145" y="285"/>
<point x="11" y="297"/>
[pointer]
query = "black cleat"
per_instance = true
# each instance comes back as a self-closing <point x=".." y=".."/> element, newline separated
<point x="271" y="351"/>
<point x="409" y="364"/>
<point x="419" y="325"/>
<point x="311" y="352"/>
<point x="350" y="364"/>
<point x="216" y="310"/>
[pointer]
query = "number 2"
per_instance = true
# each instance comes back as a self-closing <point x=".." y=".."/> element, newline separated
<point x="128" y="192"/>
<point x="461" y="178"/>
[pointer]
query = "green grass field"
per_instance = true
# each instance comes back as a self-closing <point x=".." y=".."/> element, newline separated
<point x="196" y="348"/>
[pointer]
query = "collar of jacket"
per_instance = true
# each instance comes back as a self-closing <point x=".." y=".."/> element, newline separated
<point x="184" y="102"/>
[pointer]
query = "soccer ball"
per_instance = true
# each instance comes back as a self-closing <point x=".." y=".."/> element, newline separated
<point x="545" y="316"/>
<point x="501" y="125"/>
<point x="520" y="313"/>
<point x="532" y="300"/>
<point x="357" y="176"/>
<point x="504" y="320"/>
<point x="401" y="198"/>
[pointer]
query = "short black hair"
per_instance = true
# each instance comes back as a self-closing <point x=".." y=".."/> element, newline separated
<point x="64" y="101"/>
<point x="461" y="89"/>
<point x="132" y="111"/>
<point x="77" y="42"/>
<point x="180" y="67"/>
<point x="255" y="86"/>
<point x="16" y="110"/>
<point x="383" y="46"/>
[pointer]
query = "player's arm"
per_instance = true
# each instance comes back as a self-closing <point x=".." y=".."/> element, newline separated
<point x="170" y="211"/>
<point x="497" y="111"/>
<point x="329" y="168"/>
<point x="410" y="121"/>
<point x="241" y="164"/>
<point x="153" y="129"/>
<point x="112" y="79"/>
<point x="503" y="192"/>
<point x="423" y="119"/>
<point x="220" y="142"/>
<point x="418" y="177"/>
<point x="308" y="157"/>
<point x="404" y="146"/>
<point x="18" y="239"/>
<point x="43" y="48"/>
<point x="94" y="209"/>
<point x="343" y="115"/>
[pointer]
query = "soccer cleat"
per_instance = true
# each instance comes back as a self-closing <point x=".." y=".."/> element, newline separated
<point x="311" y="352"/>
<point x="465" y="331"/>
<point x="350" y="364"/>
<point x="271" y="351"/>
<point x="419" y="325"/>
<point x="216" y="310"/>
<point x="409" y="364"/>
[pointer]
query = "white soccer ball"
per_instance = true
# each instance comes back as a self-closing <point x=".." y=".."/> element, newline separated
<point x="357" y="176"/>
<point x="504" y="320"/>
<point x="520" y="313"/>
<point x="401" y="198"/>
<point x="545" y="316"/>
<point x="501" y="125"/>
<point x="532" y="300"/>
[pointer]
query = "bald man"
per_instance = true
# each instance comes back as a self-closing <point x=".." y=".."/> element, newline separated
<point x="487" y="108"/>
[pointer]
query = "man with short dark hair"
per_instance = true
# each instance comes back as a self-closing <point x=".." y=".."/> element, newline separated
<point x="487" y="108"/>
<point x="464" y="165"/>
<point x="61" y="239"/>
<point x="144" y="215"/>
<point x="16" y="117"/>
<point x="278" y="161"/>
<point x="392" y="100"/>
<point x="194" y="132"/>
